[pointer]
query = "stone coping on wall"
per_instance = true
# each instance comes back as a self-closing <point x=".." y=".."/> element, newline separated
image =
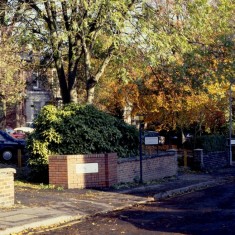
<point x="74" y="156"/>
<point x="167" y="153"/>
<point x="7" y="170"/>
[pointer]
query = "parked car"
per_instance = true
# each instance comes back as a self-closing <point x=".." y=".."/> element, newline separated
<point x="21" y="132"/>
<point x="9" y="130"/>
<point x="9" y="147"/>
<point x="24" y="129"/>
<point x="18" y="134"/>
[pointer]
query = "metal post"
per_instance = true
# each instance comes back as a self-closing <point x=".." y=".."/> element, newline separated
<point x="140" y="152"/>
<point x="19" y="157"/>
<point x="230" y="123"/>
<point x="185" y="158"/>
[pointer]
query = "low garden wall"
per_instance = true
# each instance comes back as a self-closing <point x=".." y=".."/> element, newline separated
<point x="105" y="170"/>
<point x="153" y="167"/>
<point x="210" y="161"/>
<point x="7" y="194"/>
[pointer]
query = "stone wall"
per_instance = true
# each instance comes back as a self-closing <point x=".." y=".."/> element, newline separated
<point x="7" y="194"/>
<point x="210" y="161"/>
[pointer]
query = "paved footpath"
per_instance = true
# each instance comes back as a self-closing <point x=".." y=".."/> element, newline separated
<point x="62" y="208"/>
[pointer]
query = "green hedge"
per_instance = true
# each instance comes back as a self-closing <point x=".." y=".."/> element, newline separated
<point x="211" y="143"/>
<point x="78" y="129"/>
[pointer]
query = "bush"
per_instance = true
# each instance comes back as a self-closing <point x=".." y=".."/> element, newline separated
<point x="211" y="143"/>
<point x="78" y="129"/>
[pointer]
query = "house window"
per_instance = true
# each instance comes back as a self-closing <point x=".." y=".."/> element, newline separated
<point x="36" y="108"/>
<point x="35" y="82"/>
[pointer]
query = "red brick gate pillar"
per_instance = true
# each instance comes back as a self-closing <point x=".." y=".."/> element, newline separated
<point x="83" y="171"/>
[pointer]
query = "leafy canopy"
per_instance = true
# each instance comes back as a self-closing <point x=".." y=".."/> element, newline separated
<point x="79" y="37"/>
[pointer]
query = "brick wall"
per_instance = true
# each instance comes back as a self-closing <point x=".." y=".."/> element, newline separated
<point x="83" y="171"/>
<point x="58" y="170"/>
<point x="153" y="168"/>
<point x="73" y="171"/>
<point x="7" y="194"/>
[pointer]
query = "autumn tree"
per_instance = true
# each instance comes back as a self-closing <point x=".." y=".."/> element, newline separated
<point x="118" y="91"/>
<point x="181" y="47"/>
<point x="12" y="85"/>
<point x="188" y="48"/>
<point x="79" y="36"/>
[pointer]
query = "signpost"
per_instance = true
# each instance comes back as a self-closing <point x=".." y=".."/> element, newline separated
<point x="140" y="119"/>
<point x="151" y="140"/>
<point x="231" y="144"/>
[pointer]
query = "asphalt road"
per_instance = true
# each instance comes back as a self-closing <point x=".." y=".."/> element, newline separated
<point x="209" y="212"/>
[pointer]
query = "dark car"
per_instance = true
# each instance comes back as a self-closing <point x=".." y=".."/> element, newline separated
<point x="18" y="135"/>
<point x="9" y="147"/>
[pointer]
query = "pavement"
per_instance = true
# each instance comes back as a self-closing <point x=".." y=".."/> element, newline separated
<point x="45" y="208"/>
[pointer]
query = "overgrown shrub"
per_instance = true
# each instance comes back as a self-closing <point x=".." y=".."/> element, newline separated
<point x="78" y="129"/>
<point x="211" y="143"/>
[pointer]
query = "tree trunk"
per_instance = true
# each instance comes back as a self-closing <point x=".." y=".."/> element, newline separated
<point x="20" y="120"/>
<point x="127" y="112"/>
<point x="2" y="11"/>
<point x="90" y="95"/>
<point x="4" y="113"/>
<point x="64" y="91"/>
<point x="73" y="96"/>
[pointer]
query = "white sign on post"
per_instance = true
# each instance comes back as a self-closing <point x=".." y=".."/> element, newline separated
<point x="151" y="140"/>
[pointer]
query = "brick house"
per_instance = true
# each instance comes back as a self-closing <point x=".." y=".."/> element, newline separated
<point x="41" y="89"/>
